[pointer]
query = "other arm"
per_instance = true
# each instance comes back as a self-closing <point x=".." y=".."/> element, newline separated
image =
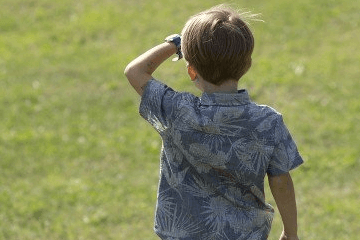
<point x="139" y="71"/>
<point x="282" y="188"/>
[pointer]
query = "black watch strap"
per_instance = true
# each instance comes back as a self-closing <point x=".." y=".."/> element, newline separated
<point x="175" y="39"/>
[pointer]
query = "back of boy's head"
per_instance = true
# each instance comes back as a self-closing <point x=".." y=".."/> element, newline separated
<point x="218" y="44"/>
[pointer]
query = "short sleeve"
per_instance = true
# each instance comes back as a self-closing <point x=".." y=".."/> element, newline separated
<point x="285" y="156"/>
<point x="157" y="103"/>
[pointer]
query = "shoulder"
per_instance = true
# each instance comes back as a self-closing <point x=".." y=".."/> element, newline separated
<point x="159" y="89"/>
<point x="260" y="111"/>
<point x="263" y="117"/>
<point x="164" y="102"/>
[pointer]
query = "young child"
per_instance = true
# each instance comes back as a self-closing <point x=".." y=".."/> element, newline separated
<point x="217" y="148"/>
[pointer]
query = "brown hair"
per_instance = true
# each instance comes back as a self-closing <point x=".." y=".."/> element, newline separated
<point x="218" y="44"/>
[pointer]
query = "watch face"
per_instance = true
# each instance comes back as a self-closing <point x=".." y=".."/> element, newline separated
<point x="171" y="37"/>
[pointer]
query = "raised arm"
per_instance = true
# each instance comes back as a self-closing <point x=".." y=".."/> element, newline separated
<point x="139" y="71"/>
<point x="282" y="189"/>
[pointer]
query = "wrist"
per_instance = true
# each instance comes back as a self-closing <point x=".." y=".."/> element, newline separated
<point x="172" y="47"/>
<point x="290" y="234"/>
<point x="175" y="39"/>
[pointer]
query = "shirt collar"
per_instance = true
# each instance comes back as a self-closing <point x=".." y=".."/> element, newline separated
<point x="225" y="99"/>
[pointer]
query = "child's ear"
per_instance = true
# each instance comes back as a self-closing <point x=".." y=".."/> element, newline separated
<point x="192" y="72"/>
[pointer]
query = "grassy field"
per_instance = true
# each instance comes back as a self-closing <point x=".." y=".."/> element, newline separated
<point x="77" y="161"/>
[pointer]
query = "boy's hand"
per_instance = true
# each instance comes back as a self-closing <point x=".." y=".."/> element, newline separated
<point x="284" y="236"/>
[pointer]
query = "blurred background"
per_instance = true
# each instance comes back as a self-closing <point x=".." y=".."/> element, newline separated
<point x="78" y="162"/>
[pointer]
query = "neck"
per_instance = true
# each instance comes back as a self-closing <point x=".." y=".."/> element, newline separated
<point x="229" y="86"/>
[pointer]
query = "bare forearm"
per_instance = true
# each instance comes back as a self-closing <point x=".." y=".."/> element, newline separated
<point x="139" y="71"/>
<point x="283" y="191"/>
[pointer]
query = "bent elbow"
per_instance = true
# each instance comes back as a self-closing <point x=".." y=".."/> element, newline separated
<point x="131" y="73"/>
<point x="136" y="77"/>
<point x="128" y="71"/>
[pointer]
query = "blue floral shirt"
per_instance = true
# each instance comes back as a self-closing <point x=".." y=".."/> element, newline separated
<point x="216" y="152"/>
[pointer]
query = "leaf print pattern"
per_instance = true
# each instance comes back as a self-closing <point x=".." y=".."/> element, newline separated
<point x="166" y="205"/>
<point x="216" y="211"/>
<point x="178" y="227"/>
<point x="253" y="153"/>
<point x="204" y="154"/>
<point x="216" y="152"/>
<point x="199" y="188"/>
<point x="175" y="179"/>
<point x="267" y="123"/>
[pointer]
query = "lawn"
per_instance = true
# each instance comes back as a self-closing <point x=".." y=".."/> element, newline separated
<point x="78" y="162"/>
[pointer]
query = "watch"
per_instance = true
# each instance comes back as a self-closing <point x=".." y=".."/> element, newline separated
<point x="175" y="39"/>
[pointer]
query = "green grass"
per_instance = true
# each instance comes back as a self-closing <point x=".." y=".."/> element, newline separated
<point x="78" y="162"/>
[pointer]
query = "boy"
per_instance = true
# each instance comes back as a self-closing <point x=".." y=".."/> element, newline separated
<point x="218" y="148"/>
